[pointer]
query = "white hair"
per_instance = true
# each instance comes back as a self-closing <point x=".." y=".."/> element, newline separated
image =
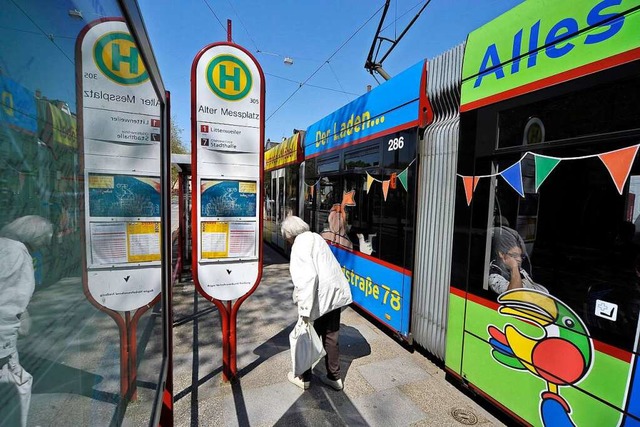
<point x="33" y="230"/>
<point x="293" y="226"/>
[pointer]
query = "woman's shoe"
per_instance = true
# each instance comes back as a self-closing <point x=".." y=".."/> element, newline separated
<point x="298" y="381"/>
<point x="334" y="384"/>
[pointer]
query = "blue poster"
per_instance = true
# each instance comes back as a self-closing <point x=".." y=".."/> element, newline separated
<point x="123" y="196"/>
<point x="18" y="106"/>
<point x="384" y="291"/>
<point x="390" y="107"/>
<point x="228" y="198"/>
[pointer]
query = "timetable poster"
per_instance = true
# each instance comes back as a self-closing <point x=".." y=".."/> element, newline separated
<point x="143" y="241"/>
<point x="228" y="198"/>
<point x="122" y="242"/>
<point x="228" y="240"/>
<point x="122" y="196"/>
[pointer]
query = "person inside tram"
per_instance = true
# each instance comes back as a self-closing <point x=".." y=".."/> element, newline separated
<point x="338" y="227"/>
<point x="18" y="240"/>
<point x="506" y="271"/>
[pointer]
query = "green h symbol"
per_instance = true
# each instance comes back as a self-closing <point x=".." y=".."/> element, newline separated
<point x="117" y="58"/>
<point x="224" y="77"/>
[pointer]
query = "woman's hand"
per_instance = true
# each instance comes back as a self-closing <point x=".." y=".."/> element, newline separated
<point x="510" y="262"/>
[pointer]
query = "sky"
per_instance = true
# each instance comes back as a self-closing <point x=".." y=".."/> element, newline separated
<point x="327" y="40"/>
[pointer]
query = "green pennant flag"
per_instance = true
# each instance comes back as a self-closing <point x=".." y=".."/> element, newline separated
<point x="544" y="166"/>
<point x="402" y="176"/>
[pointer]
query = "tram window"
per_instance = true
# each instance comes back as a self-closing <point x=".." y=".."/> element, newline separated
<point x="330" y="164"/>
<point x="363" y="157"/>
<point x="268" y="198"/>
<point x="291" y="196"/>
<point x="280" y="214"/>
<point x="330" y="193"/>
<point x="362" y="221"/>
<point x="399" y="149"/>
<point x="579" y="239"/>
<point x="395" y="224"/>
<point x="607" y="107"/>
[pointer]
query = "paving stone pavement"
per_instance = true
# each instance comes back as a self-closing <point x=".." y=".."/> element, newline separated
<point x="384" y="383"/>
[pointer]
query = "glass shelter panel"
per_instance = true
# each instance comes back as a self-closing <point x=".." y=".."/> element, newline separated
<point x="64" y="351"/>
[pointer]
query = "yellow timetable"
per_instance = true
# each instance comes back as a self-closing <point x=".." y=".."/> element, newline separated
<point x="246" y="187"/>
<point x="215" y="239"/>
<point x="100" y="181"/>
<point x="143" y="241"/>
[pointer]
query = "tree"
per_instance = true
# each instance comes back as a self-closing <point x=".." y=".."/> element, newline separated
<point x="177" y="147"/>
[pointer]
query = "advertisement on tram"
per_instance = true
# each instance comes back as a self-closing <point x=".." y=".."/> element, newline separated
<point x="545" y="293"/>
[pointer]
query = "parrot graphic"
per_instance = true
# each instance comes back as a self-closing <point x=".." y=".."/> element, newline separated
<point x="561" y="356"/>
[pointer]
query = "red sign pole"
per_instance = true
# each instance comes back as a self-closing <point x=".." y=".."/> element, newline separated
<point x="209" y="103"/>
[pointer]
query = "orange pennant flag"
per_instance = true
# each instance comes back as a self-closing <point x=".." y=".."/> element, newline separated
<point x="618" y="163"/>
<point x="385" y="189"/>
<point x="470" y="183"/>
<point x="347" y="198"/>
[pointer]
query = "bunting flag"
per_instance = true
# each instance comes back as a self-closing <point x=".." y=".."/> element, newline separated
<point x="618" y="163"/>
<point x="312" y="185"/>
<point x="470" y="183"/>
<point x="544" y="166"/>
<point x="369" y="182"/>
<point x="385" y="189"/>
<point x="348" y="198"/>
<point x="513" y="176"/>
<point x="402" y="176"/>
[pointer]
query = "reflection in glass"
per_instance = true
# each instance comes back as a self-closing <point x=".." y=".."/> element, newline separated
<point x="70" y="355"/>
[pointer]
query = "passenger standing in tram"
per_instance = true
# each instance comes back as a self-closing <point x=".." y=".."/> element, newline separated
<point x="18" y="240"/>
<point x="337" y="232"/>
<point x="320" y="291"/>
<point x="505" y="271"/>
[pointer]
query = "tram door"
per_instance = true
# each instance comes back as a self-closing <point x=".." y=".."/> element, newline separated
<point x="278" y="198"/>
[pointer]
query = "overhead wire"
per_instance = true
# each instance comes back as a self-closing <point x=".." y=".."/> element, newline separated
<point x="243" y="26"/>
<point x="216" y="16"/>
<point x="288" y="56"/>
<point x="326" y="62"/>
<point x="337" y="79"/>
<point x="283" y="56"/>
<point x="399" y="17"/>
<point x="49" y="36"/>
<point x="310" y="85"/>
<point x="38" y="33"/>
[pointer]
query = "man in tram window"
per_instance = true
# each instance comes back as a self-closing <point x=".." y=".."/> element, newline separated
<point x="506" y="271"/>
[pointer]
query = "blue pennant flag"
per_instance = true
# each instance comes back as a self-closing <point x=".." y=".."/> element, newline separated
<point x="513" y="176"/>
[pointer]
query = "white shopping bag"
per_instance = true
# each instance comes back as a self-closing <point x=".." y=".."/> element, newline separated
<point x="306" y="347"/>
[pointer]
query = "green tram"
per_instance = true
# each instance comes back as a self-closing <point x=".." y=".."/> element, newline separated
<point x="526" y="136"/>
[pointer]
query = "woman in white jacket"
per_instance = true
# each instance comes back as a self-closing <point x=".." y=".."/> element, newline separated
<point x="320" y="290"/>
<point x="17" y="283"/>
